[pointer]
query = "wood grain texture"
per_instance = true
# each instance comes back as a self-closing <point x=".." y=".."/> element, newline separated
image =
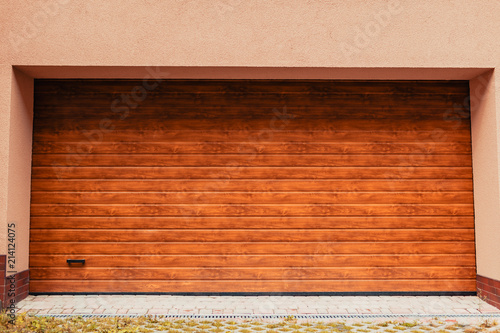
<point x="240" y="172"/>
<point x="249" y="222"/>
<point x="271" y="99"/>
<point x="220" y="248"/>
<point x="252" y="185"/>
<point x="252" y="273"/>
<point x="347" y="285"/>
<point x="271" y="260"/>
<point x="263" y="210"/>
<point x="79" y="87"/>
<point x="317" y="125"/>
<point x="256" y="112"/>
<point x="235" y="235"/>
<point x="411" y="148"/>
<point x="250" y="160"/>
<point x="250" y="197"/>
<point x="235" y="185"/>
<point x="253" y="136"/>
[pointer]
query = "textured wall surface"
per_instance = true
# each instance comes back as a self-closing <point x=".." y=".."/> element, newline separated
<point x="383" y="33"/>
<point x="401" y="38"/>
<point x="485" y="104"/>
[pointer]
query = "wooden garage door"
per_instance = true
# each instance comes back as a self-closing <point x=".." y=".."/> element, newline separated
<point x="251" y="186"/>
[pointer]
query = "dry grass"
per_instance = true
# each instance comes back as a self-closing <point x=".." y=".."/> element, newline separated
<point x="149" y="324"/>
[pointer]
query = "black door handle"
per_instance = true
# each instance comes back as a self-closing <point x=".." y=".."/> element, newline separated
<point x="76" y="261"/>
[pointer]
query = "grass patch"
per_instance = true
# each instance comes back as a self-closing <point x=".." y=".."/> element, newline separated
<point x="25" y="323"/>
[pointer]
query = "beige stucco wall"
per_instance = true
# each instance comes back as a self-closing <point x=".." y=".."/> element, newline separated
<point x="317" y="33"/>
<point x="19" y="163"/>
<point x="485" y="154"/>
<point x="5" y="84"/>
<point x="16" y="103"/>
<point x="252" y="38"/>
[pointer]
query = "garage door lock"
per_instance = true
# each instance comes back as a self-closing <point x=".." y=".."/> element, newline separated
<point x="75" y="261"/>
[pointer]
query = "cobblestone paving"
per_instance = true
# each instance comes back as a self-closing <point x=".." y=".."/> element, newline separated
<point x="255" y="305"/>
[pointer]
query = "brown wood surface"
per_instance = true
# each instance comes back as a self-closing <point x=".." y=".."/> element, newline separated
<point x="78" y="87"/>
<point x="279" y="99"/>
<point x="264" y="210"/>
<point x="238" y="112"/>
<point x="256" y="136"/>
<point x="251" y="273"/>
<point x="220" y="248"/>
<point x="270" y="260"/>
<point x="250" y="160"/>
<point x="249" y="222"/>
<point x="235" y="235"/>
<point x="250" y="197"/>
<point x="316" y="125"/>
<point x="235" y="286"/>
<point x="411" y="148"/>
<point x="231" y="171"/>
<point x="235" y="185"/>
<point x="252" y="185"/>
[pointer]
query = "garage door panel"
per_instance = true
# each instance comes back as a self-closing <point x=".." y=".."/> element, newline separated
<point x="391" y="185"/>
<point x="210" y="197"/>
<point x="252" y="136"/>
<point x="251" y="210"/>
<point x="247" y="222"/>
<point x="225" y="248"/>
<point x="221" y="235"/>
<point x="166" y="99"/>
<point x="258" y="186"/>
<point x="242" y="160"/>
<point x="89" y="86"/>
<point x="271" y="123"/>
<point x="253" y="273"/>
<point x="239" y="113"/>
<point x="269" y="260"/>
<point x="410" y="148"/>
<point x="424" y="285"/>
<point x="235" y="172"/>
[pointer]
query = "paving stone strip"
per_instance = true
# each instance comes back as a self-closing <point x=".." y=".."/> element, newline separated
<point x="255" y="305"/>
